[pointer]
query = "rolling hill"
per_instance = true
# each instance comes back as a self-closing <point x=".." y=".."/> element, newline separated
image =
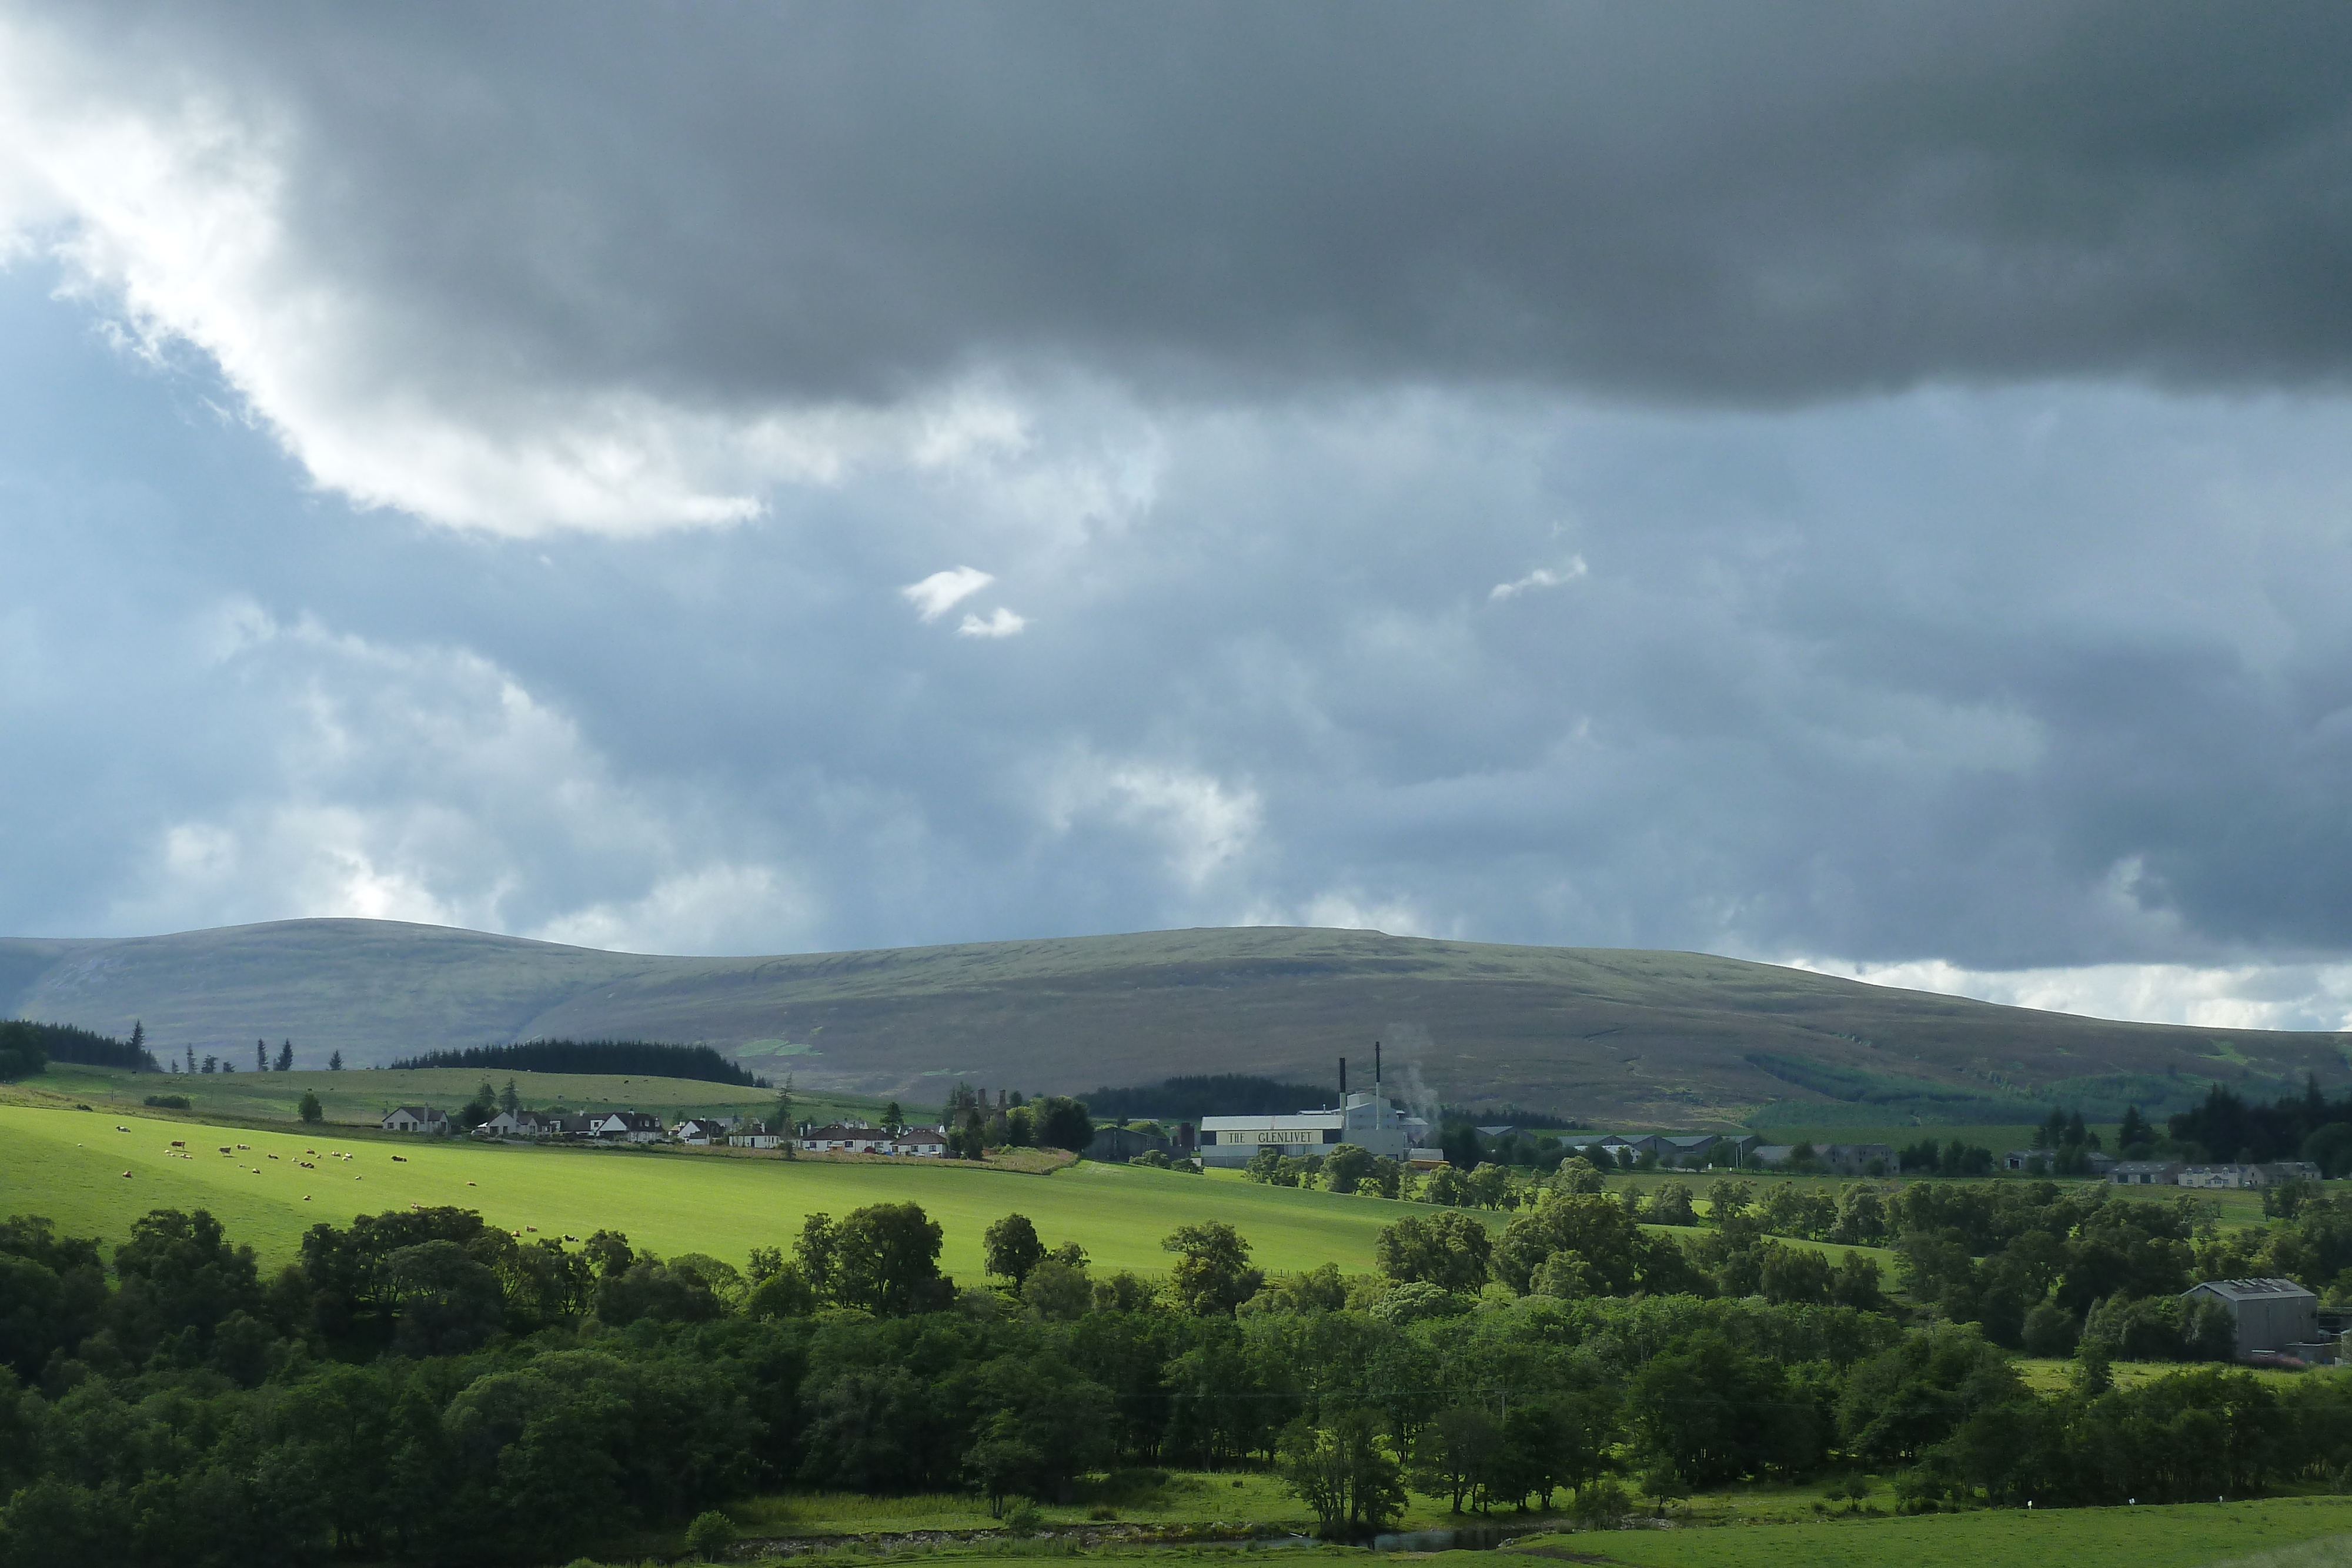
<point x="1614" y="1036"/>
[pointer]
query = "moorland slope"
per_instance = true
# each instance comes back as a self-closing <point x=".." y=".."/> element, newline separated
<point x="1615" y="1035"/>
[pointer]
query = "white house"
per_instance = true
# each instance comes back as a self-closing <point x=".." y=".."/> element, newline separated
<point x="700" y="1130"/>
<point x="920" y="1143"/>
<point x="625" y="1127"/>
<point x="2216" y="1176"/>
<point x="843" y="1139"/>
<point x="518" y="1124"/>
<point x="755" y="1136"/>
<point x="415" y="1119"/>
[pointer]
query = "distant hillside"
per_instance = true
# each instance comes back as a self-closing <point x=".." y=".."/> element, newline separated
<point x="1606" y="1035"/>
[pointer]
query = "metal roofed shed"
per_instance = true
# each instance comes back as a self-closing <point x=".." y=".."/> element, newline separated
<point x="2272" y="1316"/>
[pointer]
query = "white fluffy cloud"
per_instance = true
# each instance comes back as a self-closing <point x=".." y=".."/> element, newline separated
<point x="942" y="590"/>
<point x="2237" y="996"/>
<point x="1000" y="622"/>
<point x="423" y="783"/>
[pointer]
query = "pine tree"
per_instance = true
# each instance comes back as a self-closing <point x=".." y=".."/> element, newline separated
<point x="192" y="1059"/>
<point x="261" y="1056"/>
<point x="137" y="1035"/>
<point x="335" y="1062"/>
<point x="508" y="1099"/>
<point x="285" y="1056"/>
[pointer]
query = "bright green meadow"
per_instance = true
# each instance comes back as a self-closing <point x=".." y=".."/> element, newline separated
<point x="361" y="1097"/>
<point x="2184" y="1535"/>
<point x="70" y="1164"/>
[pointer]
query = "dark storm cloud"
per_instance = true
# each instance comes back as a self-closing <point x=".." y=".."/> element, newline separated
<point x="1742" y="202"/>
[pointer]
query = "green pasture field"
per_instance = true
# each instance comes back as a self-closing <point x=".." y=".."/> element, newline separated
<point x="2183" y="1535"/>
<point x="361" y="1096"/>
<point x="2240" y="1205"/>
<point x="2045" y="1375"/>
<point x="68" y="1165"/>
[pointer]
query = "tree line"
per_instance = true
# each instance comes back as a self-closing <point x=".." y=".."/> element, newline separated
<point x="646" y="1058"/>
<point x="26" y="1048"/>
<point x="2225" y="1126"/>
<point x="421" y="1384"/>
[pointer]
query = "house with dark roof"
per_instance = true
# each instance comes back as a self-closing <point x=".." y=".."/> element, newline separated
<point x="626" y="1127"/>
<point x="415" y="1119"/>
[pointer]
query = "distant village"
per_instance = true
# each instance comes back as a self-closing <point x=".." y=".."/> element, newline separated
<point x="1369" y="1120"/>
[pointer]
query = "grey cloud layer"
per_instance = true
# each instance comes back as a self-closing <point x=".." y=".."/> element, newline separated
<point x="2031" y="678"/>
<point x="1910" y="441"/>
<point x="1735" y="203"/>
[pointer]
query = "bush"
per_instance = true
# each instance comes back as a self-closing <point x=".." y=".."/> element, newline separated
<point x="168" y="1102"/>
<point x="311" y="1110"/>
<point x="1602" y="1504"/>
<point x="1670" y="1205"/>
<point x="711" y="1534"/>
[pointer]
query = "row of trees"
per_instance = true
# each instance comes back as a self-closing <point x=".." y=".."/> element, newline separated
<point x="625" y="1057"/>
<point x="2224" y="1126"/>
<point x="420" y="1384"/>
<point x="27" y="1048"/>
<point x="973" y="1126"/>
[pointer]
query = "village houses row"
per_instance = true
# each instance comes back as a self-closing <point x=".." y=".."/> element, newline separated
<point x="642" y="1127"/>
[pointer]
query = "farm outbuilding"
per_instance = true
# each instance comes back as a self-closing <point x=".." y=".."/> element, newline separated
<point x="2272" y="1316"/>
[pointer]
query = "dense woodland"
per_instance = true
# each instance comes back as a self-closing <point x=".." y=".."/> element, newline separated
<point x="419" y="1385"/>
<point x="2223" y="1126"/>
<point x="26" y="1048"/>
<point x="644" y="1058"/>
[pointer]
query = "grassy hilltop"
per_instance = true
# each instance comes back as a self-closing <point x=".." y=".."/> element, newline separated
<point x="1658" y="1039"/>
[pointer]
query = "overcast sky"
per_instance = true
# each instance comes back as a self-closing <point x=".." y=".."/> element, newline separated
<point x="1854" y="485"/>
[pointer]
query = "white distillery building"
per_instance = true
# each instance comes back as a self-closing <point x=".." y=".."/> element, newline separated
<point x="1367" y="1121"/>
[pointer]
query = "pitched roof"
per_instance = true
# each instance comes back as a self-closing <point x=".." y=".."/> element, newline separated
<point x="2252" y="1290"/>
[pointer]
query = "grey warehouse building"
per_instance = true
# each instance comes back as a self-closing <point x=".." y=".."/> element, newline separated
<point x="2272" y="1316"/>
